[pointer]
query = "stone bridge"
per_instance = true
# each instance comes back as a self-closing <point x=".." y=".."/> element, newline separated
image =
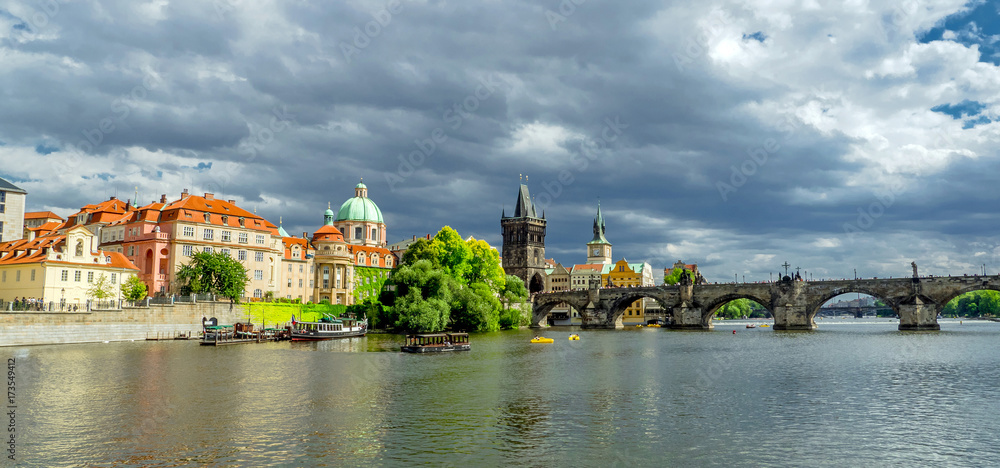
<point x="793" y="304"/>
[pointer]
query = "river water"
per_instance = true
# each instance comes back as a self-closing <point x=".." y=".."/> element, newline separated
<point x="853" y="393"/>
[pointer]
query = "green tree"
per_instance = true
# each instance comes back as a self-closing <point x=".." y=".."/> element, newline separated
<point x="484" y="265"/>
<point x="676" y="274"/>
<point x="452" y="252"/>
<point x="475" y="307"/>
<point x="134" y="289"/>
<point x="215" y="273"/>
<point x="514" y="292"/>
<point x="423" y="297"/>
<point x="420" y="250"/>
<point x="102" y="289"/>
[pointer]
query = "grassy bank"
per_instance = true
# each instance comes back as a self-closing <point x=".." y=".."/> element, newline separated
<point x="273" y="314"/>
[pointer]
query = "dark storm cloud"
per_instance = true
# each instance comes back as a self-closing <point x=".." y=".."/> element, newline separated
<point x="439" y="106"/>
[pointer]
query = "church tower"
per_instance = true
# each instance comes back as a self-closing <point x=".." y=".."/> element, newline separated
<point x="524" y="242"/>
<point x="599" y="249"/>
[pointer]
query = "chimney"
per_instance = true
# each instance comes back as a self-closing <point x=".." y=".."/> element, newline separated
<point x="163" y="198"/>
<point x="414" y="237"/>
<point x="184" y="194"/>
<point x="231" y="202"/>
<point x="209" y="196"/>
<point x="305" y="235"/>
<point x="113" y="198"/>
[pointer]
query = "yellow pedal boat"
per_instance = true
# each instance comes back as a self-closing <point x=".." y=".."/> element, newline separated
<point x="655" y="325"/>
<point x="542" y="339"/>
<point x="574" y="337"/>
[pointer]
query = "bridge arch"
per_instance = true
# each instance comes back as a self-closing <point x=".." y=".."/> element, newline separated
<point x="618" y="306"/>
<point x="712" y="307"/>
<point x="944" y="300"/>
<point x="814" y="307"/>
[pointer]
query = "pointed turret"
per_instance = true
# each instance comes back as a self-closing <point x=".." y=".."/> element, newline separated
<point x="599" y="228"/>
<point x="599" y="249"/>
<point x="524" y="208"/>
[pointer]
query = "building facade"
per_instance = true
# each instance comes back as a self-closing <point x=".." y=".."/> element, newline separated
<point x="12" y="200"/>
<point x="523" y="233"/>
<point x="60" y="268"/>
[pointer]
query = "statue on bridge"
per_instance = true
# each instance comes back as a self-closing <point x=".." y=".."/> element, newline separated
<point x="914" y="265"/>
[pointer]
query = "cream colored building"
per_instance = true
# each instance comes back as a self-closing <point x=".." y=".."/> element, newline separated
<point x="11" y="211"/>
<point x="60" y="268"/>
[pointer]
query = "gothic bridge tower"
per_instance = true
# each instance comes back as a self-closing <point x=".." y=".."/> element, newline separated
<point x="524" y="242"/>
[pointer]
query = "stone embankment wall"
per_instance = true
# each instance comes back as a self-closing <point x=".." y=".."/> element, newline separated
<point x="38" y="328"/>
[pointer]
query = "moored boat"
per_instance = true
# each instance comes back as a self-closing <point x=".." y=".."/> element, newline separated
<point x="328" y="328"/>
<point x="436" y="343"/>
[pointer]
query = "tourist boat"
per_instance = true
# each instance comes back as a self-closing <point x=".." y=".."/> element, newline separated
<point x="574" y="337"/>
<point x="328" y="328"/>
<point x="436" y="343"/>
<point x="542" y="339"/>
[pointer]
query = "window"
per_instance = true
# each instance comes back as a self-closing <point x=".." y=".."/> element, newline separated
<point x="258" y="256"/>
<point x="300" y="282"/>
<point x="227" y="236"/>
<point x="257" y="292"/>
<point x="241" y="255"/>
<point x="243" y="222"/>
<point x="114" y="278"/>
<point x="289" y="282"/>
<point x="77" y="276"/>
<point x="17" y="276"/>
<point x="32" y="275"/>
<point x="243" y="238"/>
<point x="90" y="277"/>
<point x="260" y="239"/>
<point x="358" y="232"/>
<point x="3" y="277"/>
<point x="311" y="283"/>
<point x="374" y="233"/>
<point x="208" y="234"/>
<point x="131" y="250"/>
<point x="208" y="250"/>
<point x="326" y="277"/>
<point x="289" y="268"/>
<point x="300" y="268"/>
<point x="64" y="276"/>
<point x="225" y="252"/>
<point x="189" y="231"/>
<point x="225" y="220"/>
<point x="208" y="218"/>
<point x="187" y="250"/>
<point x="258" y="274"/>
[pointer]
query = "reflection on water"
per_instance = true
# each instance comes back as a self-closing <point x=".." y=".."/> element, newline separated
<point x="852" y="393"/>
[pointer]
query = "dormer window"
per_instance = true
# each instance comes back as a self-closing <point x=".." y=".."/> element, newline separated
<point x="107" y="259"/>
<point x="208" y="218"/>
<point x="243" y="222"/>
<point x="225" y="219"/>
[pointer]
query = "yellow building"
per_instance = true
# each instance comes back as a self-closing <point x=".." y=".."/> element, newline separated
<point x="60" y="268"/>
<point x="623" y="274"/>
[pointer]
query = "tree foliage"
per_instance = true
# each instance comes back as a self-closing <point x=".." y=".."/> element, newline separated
<point x="448" y="282"/>
<point x="973" y="304"/>
<point x="102" y="288"/>
<point x="740" y="308"/>
<point x="134" y="289"/>
<point x="676" y="274"/>
<point x="215" y="273"/>
<point x="514" y="293"/>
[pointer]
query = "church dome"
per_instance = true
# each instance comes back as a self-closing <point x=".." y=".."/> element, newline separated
<point x="360" y="208"/>
<point x="328" y="234"/>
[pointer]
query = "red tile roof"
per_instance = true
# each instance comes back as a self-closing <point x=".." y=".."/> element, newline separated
<point x="328" y="233"/>
<point x="24" y="252"/>
<point x="42" y="215"/>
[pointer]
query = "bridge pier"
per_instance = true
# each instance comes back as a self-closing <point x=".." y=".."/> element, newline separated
<point x="686" y="317"/>
<point x="793" y="317"/>
<point x="918" y="315"/>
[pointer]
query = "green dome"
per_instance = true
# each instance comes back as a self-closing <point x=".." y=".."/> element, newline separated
<point x="359" y="209"/>
<point x="361" y="185"/>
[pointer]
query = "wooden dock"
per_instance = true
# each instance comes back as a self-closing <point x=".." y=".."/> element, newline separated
<point x="160" y="336"/>
<point x="223" y="335"/>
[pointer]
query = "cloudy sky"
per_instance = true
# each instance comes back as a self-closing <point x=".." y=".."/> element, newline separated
<point x="833" y="135"/>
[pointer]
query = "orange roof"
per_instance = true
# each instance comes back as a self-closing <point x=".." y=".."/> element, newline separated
<point x="290" y="241"/>
<point x="589" y="266"/>
<point x="193" y="208"/>
<point x="381" y="253"/>
<point x="33" y="251"/>
<point x="49" y="226"/>
<point x="42" y="215"/>
<point x="328" y="233"/>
